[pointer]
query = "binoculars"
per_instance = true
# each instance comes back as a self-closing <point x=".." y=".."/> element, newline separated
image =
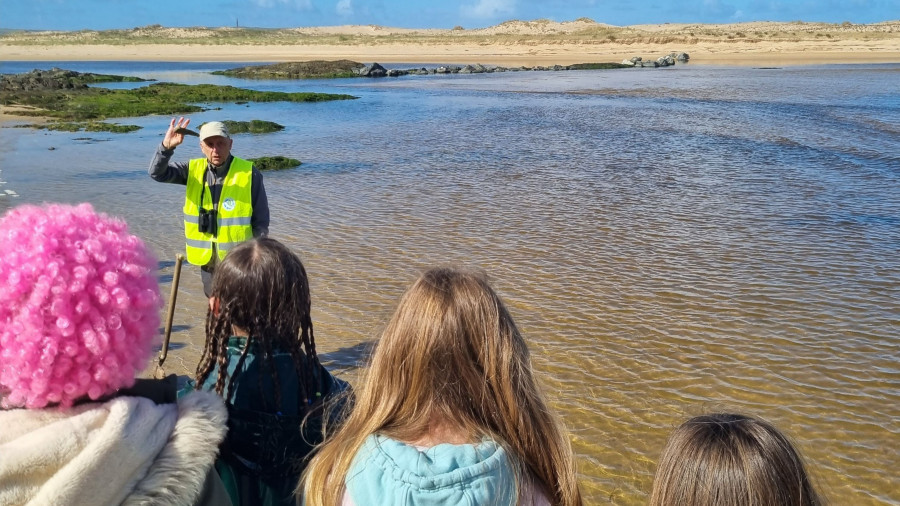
<point x="206" y="222"/>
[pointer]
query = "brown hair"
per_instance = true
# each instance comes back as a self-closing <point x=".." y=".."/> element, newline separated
<point x="731" y="460"/>
<point x="451" y="353"/>
<point x="262" y="289"/>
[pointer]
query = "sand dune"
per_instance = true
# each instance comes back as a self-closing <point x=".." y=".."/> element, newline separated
<point x="539" y="42"/>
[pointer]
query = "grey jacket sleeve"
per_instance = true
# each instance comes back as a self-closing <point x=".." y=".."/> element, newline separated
<point x="165" y="172"/>
<point x="259" y="222"/>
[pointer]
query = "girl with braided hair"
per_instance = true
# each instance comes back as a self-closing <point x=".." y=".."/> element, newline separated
<point x="260" y="356"/>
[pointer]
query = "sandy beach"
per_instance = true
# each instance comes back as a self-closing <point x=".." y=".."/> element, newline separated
<point x="512" y="43"/>
<point x="509" y="55"/>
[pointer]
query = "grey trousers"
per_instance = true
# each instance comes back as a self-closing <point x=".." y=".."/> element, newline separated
<point x="206" y="275"/>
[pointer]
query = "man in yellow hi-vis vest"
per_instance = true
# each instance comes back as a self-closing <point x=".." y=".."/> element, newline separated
<point x="225" y="202"/>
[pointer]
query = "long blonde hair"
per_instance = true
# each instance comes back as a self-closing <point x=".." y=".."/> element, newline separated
<point x="731" y="460"/>
<point x="451" y="352"/>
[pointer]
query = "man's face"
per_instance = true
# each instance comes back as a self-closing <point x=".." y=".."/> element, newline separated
<point x="216" y="149"/>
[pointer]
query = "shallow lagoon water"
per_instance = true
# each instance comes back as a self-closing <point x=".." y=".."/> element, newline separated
<point x="671" y="241"/>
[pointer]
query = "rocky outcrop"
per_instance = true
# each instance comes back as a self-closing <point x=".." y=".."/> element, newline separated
<point x="56" y="79"/>
<point x="348" y="68"/>
<point x="373" y="70"/>
<point x="81" y="103"/>
<point x="256" y="126"/>
<point x="473" y="69"/>
<point x="376" y="70"/>
<point x="315" y="69"/>
<point x="663" y="61"/>
<point x="275" y="163"/>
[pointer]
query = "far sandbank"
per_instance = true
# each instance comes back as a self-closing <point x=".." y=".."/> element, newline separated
<point x="562" y="54"/>
<point x="514" y="43"/>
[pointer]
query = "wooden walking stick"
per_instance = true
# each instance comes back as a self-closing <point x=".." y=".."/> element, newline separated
<point x="160" y="372"/>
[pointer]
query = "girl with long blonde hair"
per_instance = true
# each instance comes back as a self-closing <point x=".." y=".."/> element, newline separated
<point x="449" y="411"/>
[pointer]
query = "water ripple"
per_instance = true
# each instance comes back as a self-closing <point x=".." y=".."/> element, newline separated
<point x="670" y="243"/>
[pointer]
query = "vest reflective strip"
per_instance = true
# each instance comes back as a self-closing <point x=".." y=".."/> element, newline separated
<point x="194" y="243"/>
<point x="225" y="246"/>
<point x="207" y="244"/>
<point x="223" y="222"/>
<point x="231" y="222"/>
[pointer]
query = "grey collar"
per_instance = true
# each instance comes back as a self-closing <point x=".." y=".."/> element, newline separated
<point x="221" y="170"/>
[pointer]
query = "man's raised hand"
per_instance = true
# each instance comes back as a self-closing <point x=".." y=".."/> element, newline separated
<point x="173" y="137"/>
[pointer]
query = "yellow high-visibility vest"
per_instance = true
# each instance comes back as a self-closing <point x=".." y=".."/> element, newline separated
<point x="235" y="209"/>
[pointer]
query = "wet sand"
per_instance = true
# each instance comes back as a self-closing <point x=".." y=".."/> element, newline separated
<point x="10" y="113"/>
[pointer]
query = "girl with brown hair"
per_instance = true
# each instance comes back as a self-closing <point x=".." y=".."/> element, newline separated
<point x="731" y="460"/>
<point x="449" y="411"/>
<point x="260" y="356"/>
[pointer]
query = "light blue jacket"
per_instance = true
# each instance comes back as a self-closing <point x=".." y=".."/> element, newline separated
<point x="385" y="471"/>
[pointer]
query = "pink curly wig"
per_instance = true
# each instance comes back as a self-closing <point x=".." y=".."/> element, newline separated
<point x="79" y="305"/>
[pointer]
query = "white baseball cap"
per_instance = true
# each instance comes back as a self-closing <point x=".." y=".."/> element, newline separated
<point x="213" y="129"/>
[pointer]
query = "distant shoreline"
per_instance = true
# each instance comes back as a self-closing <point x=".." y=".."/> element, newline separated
<point x="708" y="54"/>
<point x="514" y="43"/>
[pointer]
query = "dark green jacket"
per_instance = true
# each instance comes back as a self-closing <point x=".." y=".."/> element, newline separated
<point x="269" y="443"/>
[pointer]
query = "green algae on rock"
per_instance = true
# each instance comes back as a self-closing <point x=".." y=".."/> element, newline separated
<point x="89" y="126"/>
<point x="53" y="98"/>
<point x="57" y="78"/>
<point x="275" y="163"/>
<point x="256" y="126"/>
<point x="315" y="69"/>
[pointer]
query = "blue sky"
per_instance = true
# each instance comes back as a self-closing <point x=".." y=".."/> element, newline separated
<point x="107" y="14"/>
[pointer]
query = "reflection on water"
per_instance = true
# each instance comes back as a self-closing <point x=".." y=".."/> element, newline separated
<point x="671" y="242"/>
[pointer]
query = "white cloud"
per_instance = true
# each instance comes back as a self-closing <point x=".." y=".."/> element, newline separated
<point x="489" y="8"/>
<point x="344" y="8"/>
<point x="301" y="5"/>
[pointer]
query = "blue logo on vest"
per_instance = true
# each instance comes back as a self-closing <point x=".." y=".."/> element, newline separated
<point x="228" y="204"/>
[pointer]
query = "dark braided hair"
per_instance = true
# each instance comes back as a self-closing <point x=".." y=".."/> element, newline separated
<point x="262" y="290"/>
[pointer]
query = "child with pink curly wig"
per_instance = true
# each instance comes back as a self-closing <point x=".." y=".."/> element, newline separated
<point x="79" y="313"/>
<point x="79" y="305"/>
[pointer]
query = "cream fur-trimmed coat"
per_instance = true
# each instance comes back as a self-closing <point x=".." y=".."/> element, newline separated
<point x="127" y="451"/>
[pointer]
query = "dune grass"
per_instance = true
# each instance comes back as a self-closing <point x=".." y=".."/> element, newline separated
<point x="511" y="32"/>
